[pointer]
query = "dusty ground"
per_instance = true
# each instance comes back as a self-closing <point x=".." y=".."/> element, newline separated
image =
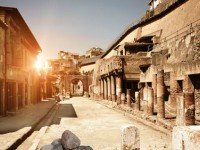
<point x="99" y="126"/>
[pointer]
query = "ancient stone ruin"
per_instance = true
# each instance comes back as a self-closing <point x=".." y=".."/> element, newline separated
<point x="68" y="141"/>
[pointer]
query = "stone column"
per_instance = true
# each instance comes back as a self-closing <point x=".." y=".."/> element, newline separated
<point x="102" y="88"/>
<point x="185" y="109"/>
<point x="173" y="90"/>
<point x="109" y="88"/>
<point x="180" y="115"/>
<point x="137" y="98"/>
<point x="150" y="103"/>
<point x="154" y="85"/>
<point x="128" y="97"/>
<point x="188" y="90"/>
<point x="105" y="90"/>
<point x="123" y="98"/>
<point x="189" y="109"/>
<point x="119" y="88"/>
<point x="113" y="88"/>
<point x="160" y="94"/>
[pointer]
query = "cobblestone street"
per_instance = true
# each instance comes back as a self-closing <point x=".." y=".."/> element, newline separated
<point x="98" y="126"/>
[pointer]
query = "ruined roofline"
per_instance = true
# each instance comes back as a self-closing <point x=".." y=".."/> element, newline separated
<point x="144" y="22"/>
<point x="89" y="61"/>
<point x="14" y="12"/>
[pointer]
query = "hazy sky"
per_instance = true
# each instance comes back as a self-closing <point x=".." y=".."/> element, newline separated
<point x="77" y="25"/>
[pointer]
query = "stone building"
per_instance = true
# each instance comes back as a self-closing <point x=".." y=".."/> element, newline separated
<point x="87" y="65"/>
<point x="19" y="81"/>
<point x="93" y="52"/>
<point x="154" y="65"/>
<point x="69" y="80"/>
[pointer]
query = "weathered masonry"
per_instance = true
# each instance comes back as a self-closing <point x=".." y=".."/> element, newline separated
<point x="19" y="83"/>
<point x="154" y="66"/>
<point x="65" y="77"/>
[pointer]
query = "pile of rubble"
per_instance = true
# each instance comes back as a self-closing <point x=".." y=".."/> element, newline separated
<point x="68" y="141"/>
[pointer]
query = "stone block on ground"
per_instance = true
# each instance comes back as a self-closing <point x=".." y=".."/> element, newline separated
<point x="47" y="147"/>
<point x="130" y="138"/>
<point x="57" y="145"/>
<point x="55" y="142"/>
<point x="186" y="138"/>
<point x="70" y="140"/>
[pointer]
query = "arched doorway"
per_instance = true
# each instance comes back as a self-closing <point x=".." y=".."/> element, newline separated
<point x="76" y="87"/>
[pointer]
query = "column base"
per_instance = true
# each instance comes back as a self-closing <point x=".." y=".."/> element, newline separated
<point x="113" y="97"/>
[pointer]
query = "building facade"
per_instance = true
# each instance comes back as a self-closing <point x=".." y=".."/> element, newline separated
<point x="154" y="66"/>
<point x="19" y="48"/>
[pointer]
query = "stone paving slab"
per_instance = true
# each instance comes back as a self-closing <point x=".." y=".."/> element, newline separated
<point x="13" y="128"/>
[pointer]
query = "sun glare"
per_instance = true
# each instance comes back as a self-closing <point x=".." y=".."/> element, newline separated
<point x="39" y="63"/>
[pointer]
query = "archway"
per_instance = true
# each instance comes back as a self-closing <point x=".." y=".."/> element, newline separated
<point x="76" y="87"/>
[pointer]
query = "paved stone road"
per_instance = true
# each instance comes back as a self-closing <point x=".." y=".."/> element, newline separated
<point x="99" y="126"/>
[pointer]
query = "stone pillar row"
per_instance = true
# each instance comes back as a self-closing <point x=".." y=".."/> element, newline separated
<point x="110" y="88"/>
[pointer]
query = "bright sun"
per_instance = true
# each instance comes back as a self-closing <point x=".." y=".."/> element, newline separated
<point x="39" y="63"/>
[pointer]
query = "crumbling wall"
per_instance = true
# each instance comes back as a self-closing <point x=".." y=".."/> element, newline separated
<point x="95" y="87"/>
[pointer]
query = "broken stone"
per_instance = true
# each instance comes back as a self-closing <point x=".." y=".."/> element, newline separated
<point x="70" y="140"/>
<point x="55" y="142"/>
<point x="57" y="145"/>
<point x="186" y="137"/>
<point x="47" y="147"/>
<point x="130" y="138"/>
<point x="83" y="148"/>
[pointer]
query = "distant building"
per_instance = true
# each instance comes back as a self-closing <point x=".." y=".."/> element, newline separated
<point x="19" y="84"/>
<point x="69" y="80"/>
<point x="87" y="65"/>
<point x="93" y="52"/>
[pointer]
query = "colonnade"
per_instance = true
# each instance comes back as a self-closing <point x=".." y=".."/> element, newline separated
<point x="111" y="88"/>
<point x="181" y="99"/>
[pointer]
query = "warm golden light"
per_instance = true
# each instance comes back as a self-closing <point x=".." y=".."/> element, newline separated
<point x="39" y="63"/>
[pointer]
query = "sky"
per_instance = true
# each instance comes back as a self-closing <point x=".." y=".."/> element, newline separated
<point x="77" y="25"/>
